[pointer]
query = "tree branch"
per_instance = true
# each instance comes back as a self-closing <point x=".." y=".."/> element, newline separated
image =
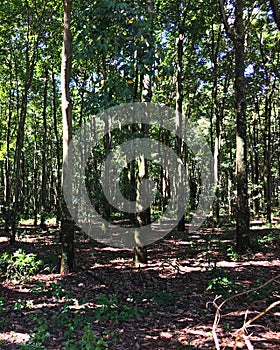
<point x="229" y="31"/>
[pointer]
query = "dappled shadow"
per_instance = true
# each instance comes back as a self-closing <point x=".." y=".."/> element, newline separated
<point x="171" y="293"/>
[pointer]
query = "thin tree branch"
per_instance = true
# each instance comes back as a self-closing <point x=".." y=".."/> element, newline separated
<point x="219" y="307"/>
<point x="240" y="333"/>
<point x="228" y="29"/>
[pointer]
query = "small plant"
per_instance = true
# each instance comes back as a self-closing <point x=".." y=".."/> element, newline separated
<point x="19" y="265"/>
<point x="109" y="309"/>
<point x="262" y="293"/>
<point x="39" y="288"/>
<point x="2" y="306"/>
<point x="55" y="289"/>
<point x="232" y="253"/>
<point x="221" y="284"/>
<point x="18" y="305"/>
<point x="89" y="340"/>
<point x="160" y="298"/>
<point x="268" y="239"/>
<point x="39" y="336"/>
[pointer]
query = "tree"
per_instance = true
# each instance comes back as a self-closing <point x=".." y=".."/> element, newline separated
<point x="67" y="224"/>
<point x="237" y="34"/>
<point x="144" y="216"/>
<point x="242" y="208"/>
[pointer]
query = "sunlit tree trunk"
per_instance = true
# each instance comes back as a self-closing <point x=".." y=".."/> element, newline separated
<point x="67" y="224"/>
<point x="44" y="155"/>
<point x="57" y="152"/>
<point x="179" y="111"/>
<point x="35" y="173"/>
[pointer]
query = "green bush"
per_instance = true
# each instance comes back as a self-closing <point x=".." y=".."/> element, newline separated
<point x="19" y="265"/>
<point x="220" y="283"/>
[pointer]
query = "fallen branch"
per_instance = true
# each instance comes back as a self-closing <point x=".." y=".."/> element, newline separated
<point x="240" y="333"/>
<point x="219" y="307"/>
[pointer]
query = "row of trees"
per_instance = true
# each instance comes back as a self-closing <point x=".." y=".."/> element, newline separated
<point x="216" y="62"/>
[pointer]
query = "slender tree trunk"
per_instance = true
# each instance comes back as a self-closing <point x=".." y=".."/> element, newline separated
<point x="57" y="153"/>
<point x="267" y="163"/>
<point x="218" y="121"/>
<point x="179" y="111"/>
<point x="67" y="224"/>
<point x="144" y="216"/>
<point x="242" y="209"/>
<point x="7" y="166"/>
<point x="35" y="174"/>
<point x="18" y="163"/>
<point x="44" y="156"/>
<point x="30" y="61"/>
<point x="255" y="163"/>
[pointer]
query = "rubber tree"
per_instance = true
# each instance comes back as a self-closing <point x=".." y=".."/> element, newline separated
<point x="237" y="35"/>
<point x="67" y="224"/>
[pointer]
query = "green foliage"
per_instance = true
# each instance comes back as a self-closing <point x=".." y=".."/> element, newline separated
<point x="109" y="309"/>
<point x="270" y="239"/>
<point x="54" y="289"/>
<point x="89" y="341"/>
<point x="232" y="253"/>
<point x="38" y="337"/>
<point x="161" y="298"/>
<point x="2" y="306"/>
<point x="73" y="325"/>
<point x="263" y="293"/>
<point x="221" y="284"/>
<point x="19" y="265"/>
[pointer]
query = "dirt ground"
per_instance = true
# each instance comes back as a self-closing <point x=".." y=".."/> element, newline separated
<point x="175" y="295"/>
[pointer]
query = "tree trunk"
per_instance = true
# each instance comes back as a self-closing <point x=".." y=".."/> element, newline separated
<point x="179" y="111"/>
<point x="242" y="209"/>
<point x="57" y="153"/>
<point x="67" y="224"/>
<point x="7" y="208"/>
<point x="44" y="156"/>
<point x="144" y="216"/>
<point x="31" y="52"/>
<point x="267" y="157"/>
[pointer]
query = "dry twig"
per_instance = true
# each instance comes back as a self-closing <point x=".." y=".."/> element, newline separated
<point x="240" y="332"/>
<point x="219" y="307"/>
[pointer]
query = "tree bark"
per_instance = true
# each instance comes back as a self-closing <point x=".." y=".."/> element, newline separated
<point x="242" y="209"/>
<point x="143" y="217"/>
<point x="57" y="152"/>
<point x="44" y="156"/>
<point x="179" y="111"/>
<point x="67" y="224"/>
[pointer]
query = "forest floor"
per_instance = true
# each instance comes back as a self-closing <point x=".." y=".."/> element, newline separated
<point x="167" y="304"/>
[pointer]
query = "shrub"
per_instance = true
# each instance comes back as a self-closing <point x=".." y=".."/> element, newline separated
<point x="19" y="265"/>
